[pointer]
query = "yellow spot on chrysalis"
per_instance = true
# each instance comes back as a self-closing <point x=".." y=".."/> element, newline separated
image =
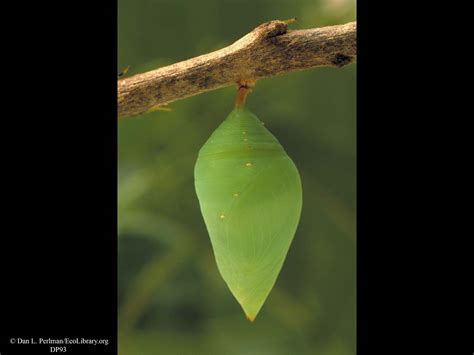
<point x="236" y="194"/>
<point x="245" y="139"/>
<point x="222" y="216"/>
<point x="248" y="164"/>
<point x="244" y="133"/>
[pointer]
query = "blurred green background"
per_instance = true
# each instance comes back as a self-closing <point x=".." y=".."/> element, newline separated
<point x="172" y="299"/>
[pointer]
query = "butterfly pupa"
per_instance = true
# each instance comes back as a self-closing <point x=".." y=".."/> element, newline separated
<point x="250" y="196"/>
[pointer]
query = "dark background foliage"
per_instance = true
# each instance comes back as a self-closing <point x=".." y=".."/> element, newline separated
<point x="172" y="299"/>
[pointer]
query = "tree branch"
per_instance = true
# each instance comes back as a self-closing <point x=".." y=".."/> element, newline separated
<point x="266" y="51"/>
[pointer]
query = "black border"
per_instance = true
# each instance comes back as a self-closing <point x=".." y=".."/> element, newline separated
<point x="58" y="253"/>
<point x="362" y="267"/>
<point x="414" y="247"/>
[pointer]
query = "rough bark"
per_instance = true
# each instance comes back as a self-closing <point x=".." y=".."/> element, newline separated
<point x="268" y="50"/>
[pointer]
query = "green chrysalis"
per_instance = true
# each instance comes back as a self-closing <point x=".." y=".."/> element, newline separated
<point x="250" y="196"/>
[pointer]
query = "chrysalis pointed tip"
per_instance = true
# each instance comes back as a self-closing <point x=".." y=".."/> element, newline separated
<point x="251" y="319"/>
